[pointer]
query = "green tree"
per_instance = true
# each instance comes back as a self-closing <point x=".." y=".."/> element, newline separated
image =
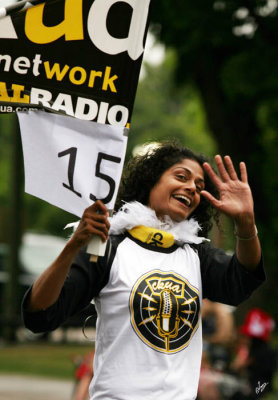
<point x="228" y="50"/>
<point x="162" y="111"/>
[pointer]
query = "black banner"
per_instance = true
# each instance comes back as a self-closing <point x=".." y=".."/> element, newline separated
<point x="77" y="57"/>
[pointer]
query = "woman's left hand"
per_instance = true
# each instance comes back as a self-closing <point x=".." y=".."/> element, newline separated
<point x="236" y="201"/>
<point x="235" y="197"/>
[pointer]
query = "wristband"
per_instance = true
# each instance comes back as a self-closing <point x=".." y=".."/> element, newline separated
<point x="246" y="238"/>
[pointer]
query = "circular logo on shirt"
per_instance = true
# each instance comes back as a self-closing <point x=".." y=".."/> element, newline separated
<point x="164" y="310"/>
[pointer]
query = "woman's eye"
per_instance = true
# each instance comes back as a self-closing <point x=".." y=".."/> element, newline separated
<point x="182" y="177"/>
<point x="199" y="188"/>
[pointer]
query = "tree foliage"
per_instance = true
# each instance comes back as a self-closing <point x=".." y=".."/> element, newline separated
<point x="228" y="50"/>
<point x="163" y="111"/>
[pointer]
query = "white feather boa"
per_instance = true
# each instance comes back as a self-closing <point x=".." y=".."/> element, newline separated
<point x="134" y="214"/>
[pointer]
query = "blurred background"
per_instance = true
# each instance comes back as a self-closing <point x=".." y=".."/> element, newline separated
<point x="210" y="79"/>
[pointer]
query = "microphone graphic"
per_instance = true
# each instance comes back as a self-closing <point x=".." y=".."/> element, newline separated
<point x="168" y="319"/>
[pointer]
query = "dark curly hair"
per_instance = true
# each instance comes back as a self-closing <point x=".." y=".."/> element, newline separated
<point x="142" y="172"/>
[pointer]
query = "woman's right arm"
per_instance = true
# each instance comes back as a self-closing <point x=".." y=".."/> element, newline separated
<point x="48" y="286"/>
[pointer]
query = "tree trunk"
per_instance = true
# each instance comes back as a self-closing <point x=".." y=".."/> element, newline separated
<point x="14" y="230"/>
<point x="236" y="132"/>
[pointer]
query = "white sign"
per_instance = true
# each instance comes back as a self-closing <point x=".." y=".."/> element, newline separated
<point x="69" y="162"/>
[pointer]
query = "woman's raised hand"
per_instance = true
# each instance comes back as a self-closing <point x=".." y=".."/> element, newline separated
<point x="94" y="221"/>
<point x="235" y="197"/>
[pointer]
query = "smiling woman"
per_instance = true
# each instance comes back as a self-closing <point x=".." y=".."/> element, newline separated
<point x="145" y="177"/>
<point x="158" y="266"/>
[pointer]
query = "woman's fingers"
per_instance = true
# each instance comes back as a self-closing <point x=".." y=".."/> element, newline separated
<point x="102" y="233"/>
<point x="212" y="175"/>
<point x="221" y="168"/>
<point x="98" y="207"/>
<point x="230" y="168"/>
<point x="102" y="226"/>
<point x="235" y="197"/>
<point x="101" y="218"/>
<point x="226" y="170"/>
<point x="243" y="172"/>
<point x="210" y="198"/>
<point x="94" y="221"/>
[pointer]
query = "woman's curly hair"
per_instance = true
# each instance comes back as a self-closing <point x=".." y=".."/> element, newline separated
<point x="142" y="172"/>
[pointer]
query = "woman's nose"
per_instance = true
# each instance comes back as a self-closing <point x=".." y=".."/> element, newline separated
<point x="190" y="186"/>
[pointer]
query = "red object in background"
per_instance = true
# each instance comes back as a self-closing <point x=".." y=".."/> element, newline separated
<point x="82" y="370"/>
<point x="258" y="324"/>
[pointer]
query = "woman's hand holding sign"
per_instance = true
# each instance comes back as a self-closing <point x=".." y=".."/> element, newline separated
<point x="94" y="221"/>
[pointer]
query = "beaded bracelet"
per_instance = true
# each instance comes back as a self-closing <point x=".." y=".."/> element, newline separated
<point x="249" y="238"/>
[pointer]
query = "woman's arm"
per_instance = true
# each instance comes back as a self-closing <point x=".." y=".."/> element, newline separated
<point x="236" y="201"/>
<point x="48" y="286"/>
<point x="248" y="248"/>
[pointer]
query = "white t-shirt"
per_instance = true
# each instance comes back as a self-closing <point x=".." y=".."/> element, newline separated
<point x="149" y="338"/>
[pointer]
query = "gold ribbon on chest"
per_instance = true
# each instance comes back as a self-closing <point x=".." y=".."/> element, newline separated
<point x="152" y="236"/>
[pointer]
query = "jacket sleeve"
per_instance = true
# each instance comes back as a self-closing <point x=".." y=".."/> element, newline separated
<point x="224" y="279"/>
<point x="83" y="283"/>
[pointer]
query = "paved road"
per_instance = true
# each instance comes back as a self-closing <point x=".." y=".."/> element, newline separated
<point x="17" y="387"/>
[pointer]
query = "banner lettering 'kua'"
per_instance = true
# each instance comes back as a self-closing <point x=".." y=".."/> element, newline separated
<point x="80" y="58"/>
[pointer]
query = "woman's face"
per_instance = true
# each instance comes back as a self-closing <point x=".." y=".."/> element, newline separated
<point x="177" y="193"/>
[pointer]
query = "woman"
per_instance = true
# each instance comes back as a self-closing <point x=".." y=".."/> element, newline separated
<point x="157" y="268"/>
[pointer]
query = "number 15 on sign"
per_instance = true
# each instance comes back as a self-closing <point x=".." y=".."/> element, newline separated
<point x="72" y="152"/>
<point x="69" y="162"/>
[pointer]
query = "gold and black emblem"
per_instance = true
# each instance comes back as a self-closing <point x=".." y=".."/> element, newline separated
<point x="164" y="310"/>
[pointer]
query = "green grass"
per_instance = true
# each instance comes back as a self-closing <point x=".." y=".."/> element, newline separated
<point x="48" y="360"/>
<point x="54" y="361"/>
